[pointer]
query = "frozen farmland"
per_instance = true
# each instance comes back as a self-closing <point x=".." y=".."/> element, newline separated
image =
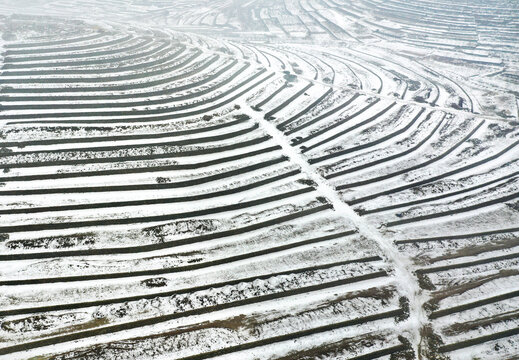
<point x="259" y="179"/>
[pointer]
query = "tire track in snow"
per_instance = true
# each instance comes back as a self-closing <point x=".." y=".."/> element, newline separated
<point x="402" y="266"/>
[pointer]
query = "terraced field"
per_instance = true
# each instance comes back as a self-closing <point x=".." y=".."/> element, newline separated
<point x="308" y="179"/>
